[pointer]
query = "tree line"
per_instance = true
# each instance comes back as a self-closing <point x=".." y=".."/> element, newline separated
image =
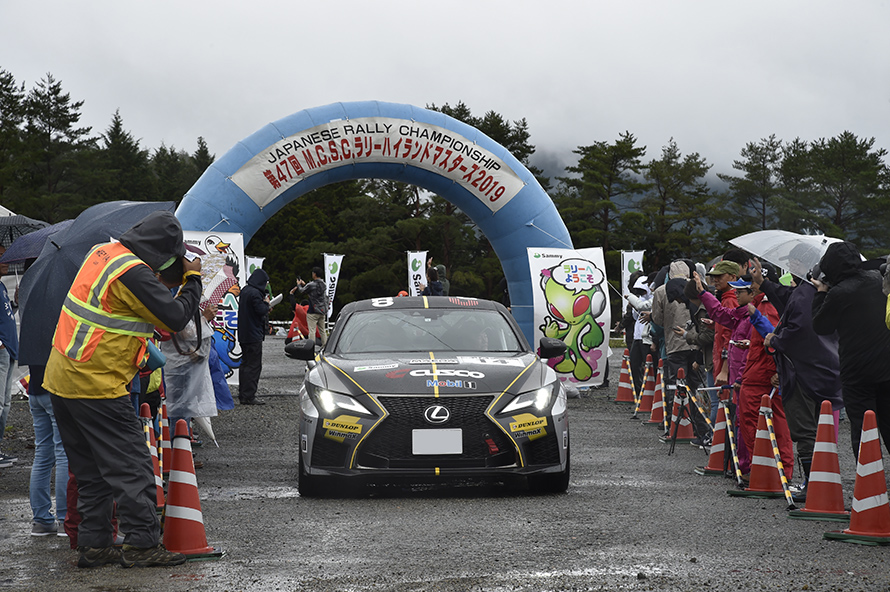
<point x="613" y="196"/>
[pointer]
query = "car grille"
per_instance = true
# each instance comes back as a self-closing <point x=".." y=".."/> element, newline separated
<point x="328" y="453"/>
<point x="543" y="451"/>
<point x="390" y="444"/>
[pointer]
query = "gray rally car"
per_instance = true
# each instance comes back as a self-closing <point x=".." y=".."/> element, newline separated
<point x="428" y="390"/>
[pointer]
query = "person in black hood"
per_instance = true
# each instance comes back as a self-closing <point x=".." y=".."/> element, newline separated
<point x="849" y="301"/>
<point x="253" y="309"/>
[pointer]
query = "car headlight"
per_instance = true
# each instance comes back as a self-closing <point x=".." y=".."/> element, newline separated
<point x="538" y="399"/>
<point x="331" y="401"/>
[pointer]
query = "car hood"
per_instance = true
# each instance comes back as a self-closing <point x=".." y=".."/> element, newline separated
<point x="431" y="375"/>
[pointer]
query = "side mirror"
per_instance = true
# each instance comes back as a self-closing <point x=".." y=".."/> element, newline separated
<point x="551" y="347"/>
<point x="304" y="349"/>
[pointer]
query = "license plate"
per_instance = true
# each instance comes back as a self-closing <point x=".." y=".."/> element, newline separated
<point x="448" y="441"/>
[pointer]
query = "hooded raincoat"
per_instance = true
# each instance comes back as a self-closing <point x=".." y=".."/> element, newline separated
<point x="138" y="294"/>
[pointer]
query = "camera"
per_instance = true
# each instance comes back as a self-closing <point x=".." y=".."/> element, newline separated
<point x="816" y="274"/>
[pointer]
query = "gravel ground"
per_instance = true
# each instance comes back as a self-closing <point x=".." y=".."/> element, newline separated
<point x="634" y="518"/>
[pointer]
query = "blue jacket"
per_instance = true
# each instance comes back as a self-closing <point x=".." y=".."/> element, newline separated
<point x="8" y="331"/>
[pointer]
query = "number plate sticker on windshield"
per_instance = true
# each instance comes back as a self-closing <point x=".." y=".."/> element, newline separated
<point x="447" y="441"/>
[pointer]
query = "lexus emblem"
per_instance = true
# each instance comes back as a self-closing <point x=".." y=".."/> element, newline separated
<point x="437" y="414"/>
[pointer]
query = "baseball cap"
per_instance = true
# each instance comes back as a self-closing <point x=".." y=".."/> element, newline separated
<point x="725" y="267"/>
<point x="741" y="284"/>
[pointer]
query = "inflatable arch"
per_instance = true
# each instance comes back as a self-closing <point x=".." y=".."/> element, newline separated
<point x="371" y="139"/>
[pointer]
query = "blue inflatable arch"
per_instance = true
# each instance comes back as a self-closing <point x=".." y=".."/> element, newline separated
<point x="371" y="139"/>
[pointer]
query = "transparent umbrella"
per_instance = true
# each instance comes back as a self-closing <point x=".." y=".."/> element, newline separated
<point x="797" y="253"/>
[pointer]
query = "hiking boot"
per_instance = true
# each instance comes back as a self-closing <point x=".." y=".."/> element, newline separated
<point x="98" y="556"/>
<point x="150" y="557"/>
<point x="41" y="529"/>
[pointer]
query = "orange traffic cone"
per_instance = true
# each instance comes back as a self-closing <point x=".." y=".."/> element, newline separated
<point x="681" y="423"/>
<point x="825" y="494"/>
<point x="656" y="416"/>
<point x="648" y="395"/>
<point x="765" y="479"/>
<point x="145" y="414"/>
<point x="625" y="385"/>
<point x="717" y="458"/>
<point x="183" y="522"/>
<point x="870" y="519"/>
<point x="166" y="456"/>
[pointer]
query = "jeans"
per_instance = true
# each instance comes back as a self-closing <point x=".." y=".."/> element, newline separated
<point x="7" y="369"/>
<point x="48" y="452"/>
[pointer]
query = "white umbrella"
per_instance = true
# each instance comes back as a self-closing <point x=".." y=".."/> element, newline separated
<point x="204" y="426"/>
<point x="797" y="253"/>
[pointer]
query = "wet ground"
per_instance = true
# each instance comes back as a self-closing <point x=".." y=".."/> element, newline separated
<point x="634" y="518"/>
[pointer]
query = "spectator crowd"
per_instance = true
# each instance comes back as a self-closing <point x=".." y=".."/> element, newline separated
<point x="736" y="325"/>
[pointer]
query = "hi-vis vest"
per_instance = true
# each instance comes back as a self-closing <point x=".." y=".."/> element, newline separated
<point x="86" y="314"/>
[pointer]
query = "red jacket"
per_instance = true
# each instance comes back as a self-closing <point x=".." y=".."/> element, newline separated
<point x="760" y="366"/>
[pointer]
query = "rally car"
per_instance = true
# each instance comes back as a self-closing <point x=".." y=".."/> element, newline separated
<point x="430" y="390"/>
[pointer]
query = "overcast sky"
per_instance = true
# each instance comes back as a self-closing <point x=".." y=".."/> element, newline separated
<point x="712" y="75"/>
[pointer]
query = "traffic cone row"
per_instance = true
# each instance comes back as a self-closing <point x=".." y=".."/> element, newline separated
<point x="183" y="521"/>
<point x="625" y="385"/>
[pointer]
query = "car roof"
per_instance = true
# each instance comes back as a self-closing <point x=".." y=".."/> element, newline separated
<point x="418" y="302"/>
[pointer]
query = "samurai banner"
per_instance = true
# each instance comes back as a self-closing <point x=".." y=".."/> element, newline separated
<point x="332" y="263"/>
<point x="631" y="261"/>
<point x="416" y="271"/>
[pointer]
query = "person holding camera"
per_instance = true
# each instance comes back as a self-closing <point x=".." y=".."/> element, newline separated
<point x="100" y="343"/>
<point x="849" y="300"/>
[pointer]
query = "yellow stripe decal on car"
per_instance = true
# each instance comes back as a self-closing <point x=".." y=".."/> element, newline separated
<point x="435" y="376"/>
<point x="370" y="429"/>
<point x="497" y="423"/>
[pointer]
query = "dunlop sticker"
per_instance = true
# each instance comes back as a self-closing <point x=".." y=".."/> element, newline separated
<point x="342" y="428"/>
<point x="529" y="425"/>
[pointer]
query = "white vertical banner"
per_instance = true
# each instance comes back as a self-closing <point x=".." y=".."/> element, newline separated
<point x="571" y="304"/>
<point x="416" y="271"/>
<point x="253" y="263"/>
<point x="631" y="261"/>
<point x="332" y="263"/>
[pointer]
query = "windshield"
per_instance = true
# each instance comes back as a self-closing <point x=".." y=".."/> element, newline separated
<point x="418" y="330"/>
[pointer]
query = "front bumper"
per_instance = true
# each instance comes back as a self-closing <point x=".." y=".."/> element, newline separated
<point x="380" y="449"/>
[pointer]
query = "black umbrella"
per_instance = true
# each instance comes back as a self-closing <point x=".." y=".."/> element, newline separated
<point x="45" y="284"/>
<point x="28" y="246"/>
<point x="12" y="227"/>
